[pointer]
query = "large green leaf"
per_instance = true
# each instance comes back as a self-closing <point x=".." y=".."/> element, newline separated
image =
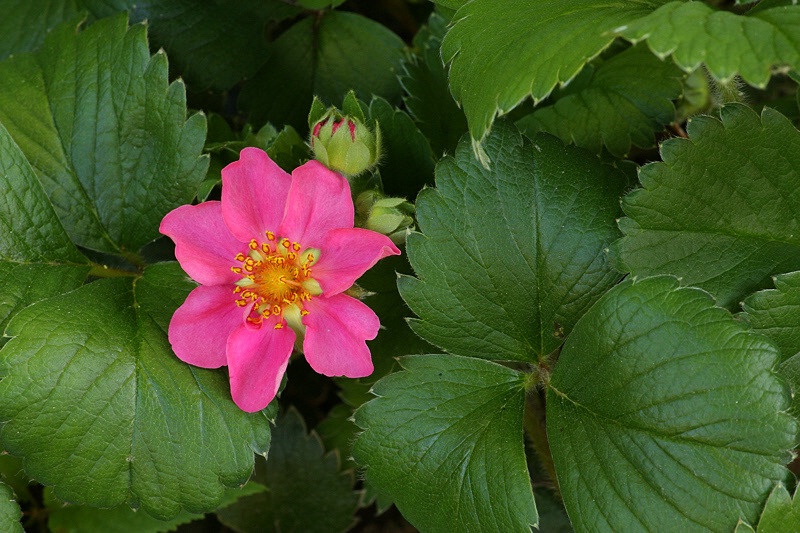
<point x="323" y="56"/>
<point x="503" y="51"/>
<point x="728" y="44"/>
<point x="10" y="514"/>
<point x="37" y="259"/>
<point x="444" y="440"/>
<point x="620" y="102"/>
<point x="510" y="258"/>
<point x="106" y="133"/>
<point x="723" y="209"/>
<point x="664" y="414"/>
<point x="25" y="23"/>
<point x="98" y="405"/>
<point x="306" y="492"/>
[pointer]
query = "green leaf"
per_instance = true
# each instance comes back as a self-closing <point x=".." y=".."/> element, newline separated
<point x="776" y="313"/>
<point x="306" y="492"/>
<point x="122" y="519"/>
<point x="781" y="514"/>
<point x="444" y="440"/>
<point x="324" y="56"/>
<point x="406" y="164"/>
<point x="501" y="51"/>
<point x="728" y="44"/>
<point x="721" y="211"/>
<point x="664" y="414"/>
<point x="622" y="101"/>
<point x="25" y="23"/>
<point x="428" y="98"/>
<point x="320" y="4"/>
<point x="37" y="259"/>
<point x="510" y="258"/>
<point x="98" y="405"/>
<point x="211" y="44"/>
<point x="10" y="513"/>
<point x="105" y="132"/>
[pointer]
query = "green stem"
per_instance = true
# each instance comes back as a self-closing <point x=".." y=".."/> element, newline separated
<point x="104" y="271"/>
<point x="534" y="424"/>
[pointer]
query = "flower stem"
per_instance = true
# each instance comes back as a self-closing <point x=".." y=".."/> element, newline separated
<point x="534" y="424"/>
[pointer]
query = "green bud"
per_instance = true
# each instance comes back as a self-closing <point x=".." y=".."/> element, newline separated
<point x="389" y="216"/>
<point x="344" y="143"/>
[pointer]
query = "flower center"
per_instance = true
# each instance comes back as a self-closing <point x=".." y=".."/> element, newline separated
<point x="276" y="280"/>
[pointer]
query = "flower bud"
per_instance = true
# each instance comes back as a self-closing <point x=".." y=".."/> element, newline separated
<point x="345" y="144"/>
<point x="389" y="216"/>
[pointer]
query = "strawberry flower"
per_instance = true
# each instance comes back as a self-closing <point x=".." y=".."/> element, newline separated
<point x="273" y="259"/>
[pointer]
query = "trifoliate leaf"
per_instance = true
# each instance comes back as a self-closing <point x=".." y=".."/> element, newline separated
<point x="664" y="414"/>
<point x="324" y="56"/>
<point x="722" y="211"/>
<point x="10" y="513"/>
<point x="306" y="492"/>
<point x="105" y="132"/>
<point x="623" y="101"/>
<point x="80" y="519"/>
<point x="37" y="259"/>
<point x="510" y="258"/>
<point x="428" y="98"/>
<point x="25" y="23"/>
<point x="503" y="51"/>
<point x="444" y="440"/>
<point x="693" y="33"/>
<point x="782" y="512"/>
<point x="99" y="407"/>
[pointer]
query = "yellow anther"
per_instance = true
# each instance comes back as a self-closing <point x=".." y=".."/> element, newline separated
<point x="295" y="247"/>
<point x="286" y="243"/>
<point x="247" y="266"/>
<point x="253" y="244"/>
<point x="270" y="235"/>
<point x="265" y="248"/>
<point x="236" y="270"/>
<point x="279" y="325"/>
<point x="241" y="303"/>
<point x="240" y="256"/>
<point x="292" y="256"/>
<point x="276" y="309"/>
<point x="237" y="289"/>
<point x="304" y="312"/>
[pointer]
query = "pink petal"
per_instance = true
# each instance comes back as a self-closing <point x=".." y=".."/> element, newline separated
<point x="200" y="328"/>
<point x="337" y="329"/>
<point x="203" y="245"/>
<point x="257" y="360"/>
<point x="346" y="255"/>
<point x="254" y="191"/>
<point x="319" y="201"/>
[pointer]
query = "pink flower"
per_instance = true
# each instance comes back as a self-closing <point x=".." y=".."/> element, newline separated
<point x="272" y="259"/>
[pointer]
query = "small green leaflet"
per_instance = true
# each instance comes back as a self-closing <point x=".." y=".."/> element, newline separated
<point x="444" y="441"/>
<point x="323" y="56"/>
<point x="781" y="514"/>
<point x="613" y="104"/>
<point x="722" y="211"/>
<point x="665" y="414"/>
<point x="510" y="258"/>
<point x="37" y="259"/>
<point x="105" y="131"/>
<point x="98" y="405"/>
<point x="10" y="513"/>
<point x="728" y="44"/>
<point x="306" y="492"/>
<point x="503" y="51"/>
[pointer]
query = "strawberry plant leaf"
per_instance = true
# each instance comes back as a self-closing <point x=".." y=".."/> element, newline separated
<point x="37" y="259"/>
<point x="781" y="513"/>
<point x="25" y="23"/>
<point x="509" y="258"/>
<point x="99" y="407"/>
<point x="10" y="514"/>
<point x="750" y="45"/>
<point x="664" y="414"/>
<point x="502" y="52"/>
<point x="105" y="132"/>
<point x="721" y="210"/>
<point x="306" y="492"/>
<point x="443" y="440"/>
<point x="325" y="57"/>
<point x="613" y="104"/>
